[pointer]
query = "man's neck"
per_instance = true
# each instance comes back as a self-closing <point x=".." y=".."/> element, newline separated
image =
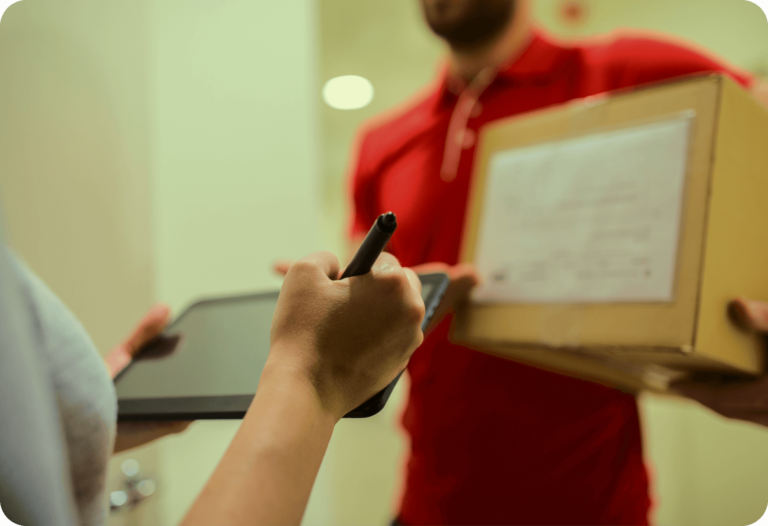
<point x="468" y="63"/>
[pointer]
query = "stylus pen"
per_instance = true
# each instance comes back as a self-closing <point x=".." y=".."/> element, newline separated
<point x="373" y="245"/>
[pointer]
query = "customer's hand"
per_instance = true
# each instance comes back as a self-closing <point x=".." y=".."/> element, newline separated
<point x="348" y="338"/>
<point x="134" y="434"/>
<point x="148" y="328"/>
<point x="735" y="397"/>
<point x="463" y="279"/>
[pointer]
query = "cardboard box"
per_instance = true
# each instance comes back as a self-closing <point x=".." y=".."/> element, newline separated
<point x="721" y="248"/>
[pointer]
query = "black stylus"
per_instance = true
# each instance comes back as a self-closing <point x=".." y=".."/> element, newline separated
<point x="372" y="247"/>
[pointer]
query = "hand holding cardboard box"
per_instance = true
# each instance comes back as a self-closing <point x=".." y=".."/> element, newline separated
<point x="665" y="188"/>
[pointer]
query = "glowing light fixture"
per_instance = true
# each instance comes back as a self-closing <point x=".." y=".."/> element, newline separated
<point x="348" y="92"/>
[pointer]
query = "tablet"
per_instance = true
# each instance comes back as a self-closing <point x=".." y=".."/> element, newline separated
<point x="207" y="363"/>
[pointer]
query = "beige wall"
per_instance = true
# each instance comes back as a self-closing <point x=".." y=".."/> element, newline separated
<point x="733" y="29"/>
<point x="75" y="154"/>
<point x="234" y="173"/>
<point x="75" y="163"/>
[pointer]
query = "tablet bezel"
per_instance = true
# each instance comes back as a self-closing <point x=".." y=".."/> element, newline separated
<point x="230" y="407"/>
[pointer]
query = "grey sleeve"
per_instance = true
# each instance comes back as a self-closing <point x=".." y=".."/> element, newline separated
<point x="35" y="487"/>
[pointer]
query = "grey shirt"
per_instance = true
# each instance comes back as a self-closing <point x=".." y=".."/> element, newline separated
<point x="57" y="407"/>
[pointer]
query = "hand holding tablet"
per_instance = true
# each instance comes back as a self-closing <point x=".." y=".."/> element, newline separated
<point x="208" y="362"/>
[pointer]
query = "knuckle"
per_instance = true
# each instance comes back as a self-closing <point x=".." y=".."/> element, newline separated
<point x="419" y="339"/>
<point x="325" y="255"/>
<point x="389" y="259"/>
<point x="302" y="266"/>
<point x="394" y="282"/>
<point x="417" y="311"/>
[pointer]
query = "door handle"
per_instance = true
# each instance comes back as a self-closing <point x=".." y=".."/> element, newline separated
<point x="135" y="488"/>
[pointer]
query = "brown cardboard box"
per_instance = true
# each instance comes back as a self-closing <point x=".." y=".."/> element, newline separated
<point x="722" y="248"/>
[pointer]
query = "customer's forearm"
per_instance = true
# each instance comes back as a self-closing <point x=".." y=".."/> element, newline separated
<point x="267" y="473"/>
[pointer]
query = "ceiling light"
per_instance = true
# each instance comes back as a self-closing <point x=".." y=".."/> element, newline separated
<point x="348" y="92"/>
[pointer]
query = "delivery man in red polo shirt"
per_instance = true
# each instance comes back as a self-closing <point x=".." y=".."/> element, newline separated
<point x="493" y="441"/>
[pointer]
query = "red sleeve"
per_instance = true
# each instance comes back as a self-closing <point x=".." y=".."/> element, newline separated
<point x="638" y="61"/>
<point x="362" y="189"/>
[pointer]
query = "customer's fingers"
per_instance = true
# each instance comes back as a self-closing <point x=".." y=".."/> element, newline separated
<point x="282" y="266"/>
<point x="152" y="324"/>
<point x="148" y="328"/>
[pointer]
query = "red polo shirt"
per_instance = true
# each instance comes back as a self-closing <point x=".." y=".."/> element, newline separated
<point x="493" y="441"/>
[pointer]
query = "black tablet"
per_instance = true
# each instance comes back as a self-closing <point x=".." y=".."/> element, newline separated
<point x="207" y="363"/>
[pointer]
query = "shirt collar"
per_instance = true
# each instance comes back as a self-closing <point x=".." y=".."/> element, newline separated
<point x="538" y="61"/>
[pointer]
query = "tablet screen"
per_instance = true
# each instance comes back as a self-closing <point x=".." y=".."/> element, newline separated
<point x="216" y="348"/>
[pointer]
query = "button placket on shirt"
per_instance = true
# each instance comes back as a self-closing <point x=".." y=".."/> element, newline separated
<point x="460" y="135"/>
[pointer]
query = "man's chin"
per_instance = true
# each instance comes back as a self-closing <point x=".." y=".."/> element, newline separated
<point x="464" y="42"/>
<point x="467" y="25"/>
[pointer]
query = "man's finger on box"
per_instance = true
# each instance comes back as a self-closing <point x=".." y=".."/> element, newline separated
<point x="752" y="314"/>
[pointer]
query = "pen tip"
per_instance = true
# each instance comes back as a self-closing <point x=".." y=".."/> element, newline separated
<point x="388" y="222"/>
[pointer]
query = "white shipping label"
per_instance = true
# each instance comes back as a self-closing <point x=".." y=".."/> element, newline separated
<point x="585" y="220"/>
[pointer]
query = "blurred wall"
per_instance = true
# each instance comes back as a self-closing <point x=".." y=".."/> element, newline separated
<point x="75" y="160"/>
<point x="733" y="29"/>
<point x="234" y="174"/>
<point x="75" y="153"/>
<point x="234" y="139"/>
<point x="385" y="42"/>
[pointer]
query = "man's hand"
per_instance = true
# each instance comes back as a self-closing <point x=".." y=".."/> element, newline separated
<point x="463" y="279"/>
<point x="739" y="398"/>
<point x="348" y="338"/>
<point x="134" y="434"/>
